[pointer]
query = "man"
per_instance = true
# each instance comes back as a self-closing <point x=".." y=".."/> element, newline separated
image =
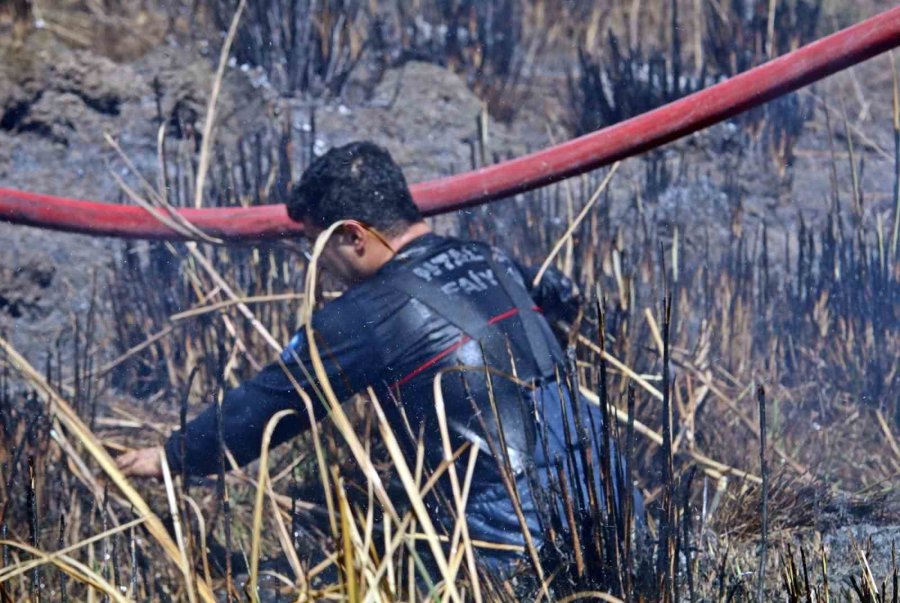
<point x="417" y="303"/>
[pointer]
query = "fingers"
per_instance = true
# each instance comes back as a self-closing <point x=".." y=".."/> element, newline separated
<point x="125" y="461"/>
<point x="141" y="463"/>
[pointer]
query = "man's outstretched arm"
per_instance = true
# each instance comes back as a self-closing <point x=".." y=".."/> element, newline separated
<point x="247" y="409"/>
<point x="245" y="412"/>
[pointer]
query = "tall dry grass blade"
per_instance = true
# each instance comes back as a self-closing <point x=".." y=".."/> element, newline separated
<point x="576" y="223"/>
<point x="172" y="218"/>
<point x="764" y="494"/>
<point x="222" y="305"/>
<point x="458" y="497"/>
<point x="504" y="464"/>
<point x="386" y="568"/>
<point x="261" y="489"/>
<point x="176" y="526"/>
<point x="349" y="565"/>
<point x="854" y="171"/>
<point x="206" y="143"/>
<point x="619" y="365"/>
<point x="468" y="543"/>
<point x="284" y="537"/>
<point x="896" y="121"/>
<point x="201" y="528"/>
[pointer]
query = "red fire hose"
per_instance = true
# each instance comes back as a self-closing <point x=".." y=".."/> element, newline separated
<point x="634" y="136"/>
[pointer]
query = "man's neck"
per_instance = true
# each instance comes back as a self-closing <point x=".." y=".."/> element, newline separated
<point x="413" y="232"/>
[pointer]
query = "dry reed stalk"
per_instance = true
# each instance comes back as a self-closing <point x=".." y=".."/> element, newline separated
<point x="157" y="204"/>
<point x="253" y="299"/>
<point x="79" y="469"/>
<point x="856" y="189"/>
<point x="889" y="436"/>
<point x="349" y="566"/>
<point x="201" y="528"/>
<point x="186" y="566"/>
<point x="460" y="495"/>
<point x="866" y="141"/>
<point x="895" y="96"/>
<point x="284" y="537"/>
<point x="468" y="542"/>
<point x="764" y="496"/>
<point x="731" y="404"/>
<point x="575" y="223"/>
<point x="206" y="142"/>
<point x="261" y="491"/>
<point x="386" y="566"/>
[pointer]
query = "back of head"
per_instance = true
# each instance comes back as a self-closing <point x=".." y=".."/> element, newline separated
<point x="358" y="181"/>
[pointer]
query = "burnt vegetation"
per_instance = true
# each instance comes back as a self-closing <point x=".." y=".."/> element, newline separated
<point x="750" y="379"/>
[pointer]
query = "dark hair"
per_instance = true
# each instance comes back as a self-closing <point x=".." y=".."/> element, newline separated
<point x="358" y="181"/>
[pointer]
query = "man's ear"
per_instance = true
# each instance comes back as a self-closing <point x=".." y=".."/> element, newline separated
<point x="357" y="236"/>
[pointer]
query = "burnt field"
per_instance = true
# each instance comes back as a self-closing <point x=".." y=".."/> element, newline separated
<point x="741" y="331"/>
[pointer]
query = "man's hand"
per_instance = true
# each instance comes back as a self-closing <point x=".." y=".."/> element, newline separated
<point x="144" y="462"/>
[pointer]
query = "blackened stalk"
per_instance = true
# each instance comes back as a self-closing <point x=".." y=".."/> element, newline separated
<point x="686" y="531"/>
<point x="87" y="365"/>
<point x="60" y="545"/>
<point x="764" y="503"/>
<point x="4" y="550"/>
<point x="577" y="493"/>
<point x="508" y="477"/>
<point x="33" y="530"/>
<point x="5" y="407"/>
<point x="665" y="557"/>
<point x="612" y="502"/>
<point x="894" y="577"/>
<point x="586" y="479"/>
<point x="570" y="516"/>
<point x="135" y="569"/>
<point x="222" y="494"/>
<point x="113" y="548"/>
<point x="182" y="441"/>
<point x="806" y="586"/>
<point x="555" y="519"/>
<point x="76" y="368"/>
<point x="600" y="540"/>
<point x="628" y="494"/>
<point x="105" y="546"/>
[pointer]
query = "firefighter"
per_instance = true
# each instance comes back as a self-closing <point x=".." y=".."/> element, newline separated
<point x="416" y="304"/>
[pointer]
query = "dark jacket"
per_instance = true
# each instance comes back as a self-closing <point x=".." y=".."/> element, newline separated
<point x="376" y="335"/>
